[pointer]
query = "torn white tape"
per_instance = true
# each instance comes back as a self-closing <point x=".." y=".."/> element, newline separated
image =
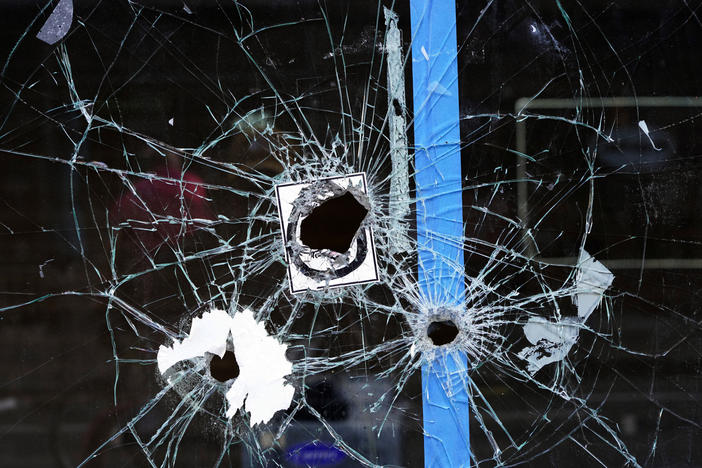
<point x="263" y="366"/>
<point x="399" y="201"/>
<point x="207" y="335"/>
<point x="553" y="340"/>
<point x="591" y="281"/>
<point x="538" y="329"/>
<point x="260" y="388"/>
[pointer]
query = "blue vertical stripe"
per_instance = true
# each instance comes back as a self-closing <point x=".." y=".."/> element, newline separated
<point x="439" y="221"/>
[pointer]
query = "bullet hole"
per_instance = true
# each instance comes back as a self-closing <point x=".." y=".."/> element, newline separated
<point x="442" y="332"/>
<point x="333" y="224"/>
<point x="224" y="368"/>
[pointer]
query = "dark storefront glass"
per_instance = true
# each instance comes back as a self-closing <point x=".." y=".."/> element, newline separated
<point x="139" y="155"/>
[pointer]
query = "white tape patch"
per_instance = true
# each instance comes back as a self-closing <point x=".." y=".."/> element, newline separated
<point x="260" y="388"/>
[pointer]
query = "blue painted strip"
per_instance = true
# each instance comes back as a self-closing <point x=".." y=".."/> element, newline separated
<point x="439" y="221"/>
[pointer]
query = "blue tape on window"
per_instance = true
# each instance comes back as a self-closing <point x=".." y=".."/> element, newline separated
<point x="440" y="221"/>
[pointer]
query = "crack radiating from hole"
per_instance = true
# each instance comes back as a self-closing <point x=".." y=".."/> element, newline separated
<point x="210" y="237"/>
<point x="333" y="224"/>
<point x="442" y="332"/>
<point x="225" y="368"/>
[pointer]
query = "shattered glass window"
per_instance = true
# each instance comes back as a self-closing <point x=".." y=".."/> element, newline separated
<point x="310" y="233"/>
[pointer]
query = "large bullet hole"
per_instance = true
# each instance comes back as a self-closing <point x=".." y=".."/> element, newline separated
<point x="224" y="368"/>
<point x="333" y="224"/>
<point x="442" y="332"/>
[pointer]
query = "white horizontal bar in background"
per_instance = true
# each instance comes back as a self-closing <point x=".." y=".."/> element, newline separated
<point x="632" y="263"/>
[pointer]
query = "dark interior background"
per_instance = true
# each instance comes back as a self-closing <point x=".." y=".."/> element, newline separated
<point x="149" y="62"/>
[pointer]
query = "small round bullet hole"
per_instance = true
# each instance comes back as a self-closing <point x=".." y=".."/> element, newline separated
<point x="224" y="368"/>
<point x="442" y="332"/>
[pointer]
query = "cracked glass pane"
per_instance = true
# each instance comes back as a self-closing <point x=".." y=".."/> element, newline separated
<point x="267" y="233"/>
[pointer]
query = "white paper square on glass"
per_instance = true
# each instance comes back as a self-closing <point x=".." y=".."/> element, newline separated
<point x="306" y="271"/>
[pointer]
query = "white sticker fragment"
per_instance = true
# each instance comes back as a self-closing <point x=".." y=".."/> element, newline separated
<point x="592" y="280"/>
<point x="553" y="340"/>
<point x="207" y="335"/>
<point x="58" y="23"/>
<point x="312" y="269"/>
<point x="644" y="128"/>
<point x="260" y="388"/>
<point x="538" y="329"/>
<point x="262" y="368"/>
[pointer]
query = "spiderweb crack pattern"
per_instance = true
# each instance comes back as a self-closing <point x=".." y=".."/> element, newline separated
<point x="166" y="129"/>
